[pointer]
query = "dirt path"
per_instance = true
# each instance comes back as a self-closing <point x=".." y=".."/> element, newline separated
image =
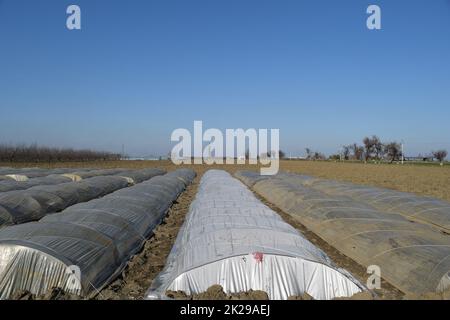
<point x="145" y="266"/>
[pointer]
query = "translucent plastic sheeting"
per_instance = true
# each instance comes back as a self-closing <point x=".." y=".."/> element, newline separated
<point x="137" y="176"/>
<point x="230" y="238"/>
<point x="185" y="175"/>
<point x="15" y="177"/>
<point x="32" y="172"/>
<point x="250" y="177"/>
<point x="133" y="176"/>
<point x="425" y="209"/>
<point x="11" y="185"/>
<point x="96" y="173"/>
<point x="96" y="238"/>
<point x="413" y="256"/>
<point x="32" y="204"/>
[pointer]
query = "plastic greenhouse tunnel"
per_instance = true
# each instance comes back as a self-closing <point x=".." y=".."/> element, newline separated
<point x="96" y="239"/>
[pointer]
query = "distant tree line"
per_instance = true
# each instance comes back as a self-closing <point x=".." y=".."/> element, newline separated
<point x="35" y="153"/>
<point x="314" y="155"/>
<point x="374" y="149"/>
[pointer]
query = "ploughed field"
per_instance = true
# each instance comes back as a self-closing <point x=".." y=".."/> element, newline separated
<point x="144" y="259"/>
<point x="429" y="180"/>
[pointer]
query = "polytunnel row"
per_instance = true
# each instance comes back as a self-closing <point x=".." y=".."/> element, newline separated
<point x="425" y="209"/>
<point x="84" y="247"/>
<point x="12" y="185"/>
<point x="83" y="174"/>
<point x="32" y="204"/>
<point x="23" y="174"/>
<point x="230" y="238"/>
<point x="413" y="256"/>
<point x="134" y="176"/>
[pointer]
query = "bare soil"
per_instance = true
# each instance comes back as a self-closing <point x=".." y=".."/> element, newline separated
<point x="430" y="180"/>
<point x="144" y="267"/>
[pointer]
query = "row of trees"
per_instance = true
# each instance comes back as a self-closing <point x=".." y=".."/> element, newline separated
<point x="440" y="155"/>
<point x="314" y="155"/>
<point x="374" y="149"/>
<point x="35" y="153"/>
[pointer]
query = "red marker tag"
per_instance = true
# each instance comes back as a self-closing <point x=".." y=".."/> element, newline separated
<point x="258" y="256"/>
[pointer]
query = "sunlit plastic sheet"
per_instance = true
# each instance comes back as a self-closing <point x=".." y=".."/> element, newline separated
<point x="230" y="238"/>
<point x="137" y="176"/>
<point x="413" y="256"/>
<point x="14" y="177"/>
<point x="57" y="177"/>
<point x="13" y="184"/>
<point x="185" y="175"/>
<point x="32" y="172"/>
<point x="97" y="238"/>
<point x="250" y="177"/>
<point x="96" y="173"/>
<point x="34" y="203"/>
<point x="425" y="209"/>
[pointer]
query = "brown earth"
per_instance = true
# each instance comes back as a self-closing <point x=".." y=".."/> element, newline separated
<point x="431" y="180"/>
<point x="144" y="267"/>
<point x="216" y="292"/>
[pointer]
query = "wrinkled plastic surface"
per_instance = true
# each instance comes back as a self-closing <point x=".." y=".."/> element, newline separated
<point x="413" y="255"/>
<point x="33" y="172"/>
<point x="96" y="173"/>
<point x="230" y="238"/>
<point x="97" y="238"/>
<point x="133" y="176"/>
<point x="424" y="209"/>
<point x="11" y="185"/>
<point x="32" y="204"/>
<point x="137" y="176"/>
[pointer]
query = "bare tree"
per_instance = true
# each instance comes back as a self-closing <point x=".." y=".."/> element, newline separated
<point x="440" y="155"/>
<point x="318" y="156"/>
<point x="367" y="148"/>
<point x="393" y="151"/>
<point x="335" y="157"/>
<point x="377" y="147"/>
<point x="358" y="151"/>
<point x="308" y="153"/>
<point x="281" y="154"/>
<point x="35" y="153"/>
<point x="373" y="148"/>
<point x="346" y="152"/>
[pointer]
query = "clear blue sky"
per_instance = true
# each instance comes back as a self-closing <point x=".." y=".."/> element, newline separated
<point x="139" y="69"/>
